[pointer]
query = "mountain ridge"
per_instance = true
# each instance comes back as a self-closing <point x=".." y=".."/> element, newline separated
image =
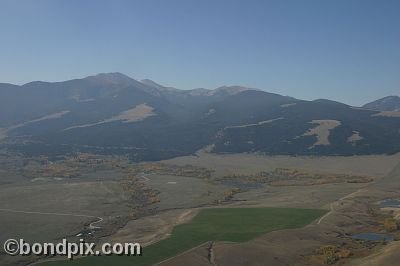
<point x="388" y="103"/>
<point x="166" y="122"/>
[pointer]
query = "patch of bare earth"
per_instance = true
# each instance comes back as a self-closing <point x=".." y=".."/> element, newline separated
<point x="46" y="117"/>
<point x="294" y="177"/>
<point x="353" y="139"/>
<point x="288" y="105"/>
<point x="151" y="229"/>
<point x="389" y="255"/>
<point x="388" y="114"/>
<point x="234" y="164"/>
<point x="3" y="131"/>
<point x="322" y="131"/>
<point x="139" y="113"/>
<point x="255" y="124"/>
<point x="136" y="114"/>
<point x="394" y="211"/>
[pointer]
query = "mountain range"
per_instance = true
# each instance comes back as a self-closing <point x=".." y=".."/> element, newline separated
<point x="114" y="114"/>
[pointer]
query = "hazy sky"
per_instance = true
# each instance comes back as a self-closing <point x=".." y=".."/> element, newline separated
<point x="345" y="50"/>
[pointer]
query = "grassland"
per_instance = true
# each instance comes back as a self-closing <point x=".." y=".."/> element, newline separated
<point x="216" y="224"/>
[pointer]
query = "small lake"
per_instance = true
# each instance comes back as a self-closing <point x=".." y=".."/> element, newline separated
<point x="391" y="203"/>
<point x="373" y="237"/>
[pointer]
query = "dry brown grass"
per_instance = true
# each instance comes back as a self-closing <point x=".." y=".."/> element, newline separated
<point x="288" y="104"/>
<point x="136" y="114"/>
<point x="228" y="164"/>
<point x="388" y="114"/>
<point x="3" y="131"/>
<point x="388" y="255"/>
<point x="354" y="138"/>
<point x="255" y="124"/>
<point x="390" y="224"/>
<point x="139" y="113"/>
<point x="151" y="229"/>
<point x="322" y="131"/>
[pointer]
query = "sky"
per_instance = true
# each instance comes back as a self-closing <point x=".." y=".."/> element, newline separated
<point x="344" y="50"/>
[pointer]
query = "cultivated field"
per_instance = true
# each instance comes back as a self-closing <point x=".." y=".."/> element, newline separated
<point x="217" y="224"/>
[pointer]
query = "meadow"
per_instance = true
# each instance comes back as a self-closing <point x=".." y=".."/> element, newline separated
<point x="214" y="224"/>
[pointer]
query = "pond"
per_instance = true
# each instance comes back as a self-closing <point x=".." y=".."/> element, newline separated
<point x="391" y="203"/>
<point x="373" y="237"/>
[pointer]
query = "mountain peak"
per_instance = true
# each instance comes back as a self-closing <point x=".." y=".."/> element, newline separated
<point x="327" y="101"/>
<point x="151" y="83"/>
<point x="114" y="78"/>
<point x="232" y="89"/>
<point x="390" y="98"/>
<point x="158" y="87"/>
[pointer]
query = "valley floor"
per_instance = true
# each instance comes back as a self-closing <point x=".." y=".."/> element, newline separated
<point x="143" y="202"/>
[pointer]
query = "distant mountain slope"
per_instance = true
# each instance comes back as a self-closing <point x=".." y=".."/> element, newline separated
<point x="389" y="103"/>
<point x="313" y="128"/>
<point x="113" y="113"/>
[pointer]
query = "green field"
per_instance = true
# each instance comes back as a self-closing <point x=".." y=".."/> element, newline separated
<point x="228" y="224"/>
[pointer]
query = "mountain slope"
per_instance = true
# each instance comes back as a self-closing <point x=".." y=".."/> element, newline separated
<point x="389" y="103"/>
<point x="113" y="113"/>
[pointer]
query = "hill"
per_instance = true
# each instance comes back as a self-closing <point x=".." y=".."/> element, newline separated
<point x="389" y="103"/>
